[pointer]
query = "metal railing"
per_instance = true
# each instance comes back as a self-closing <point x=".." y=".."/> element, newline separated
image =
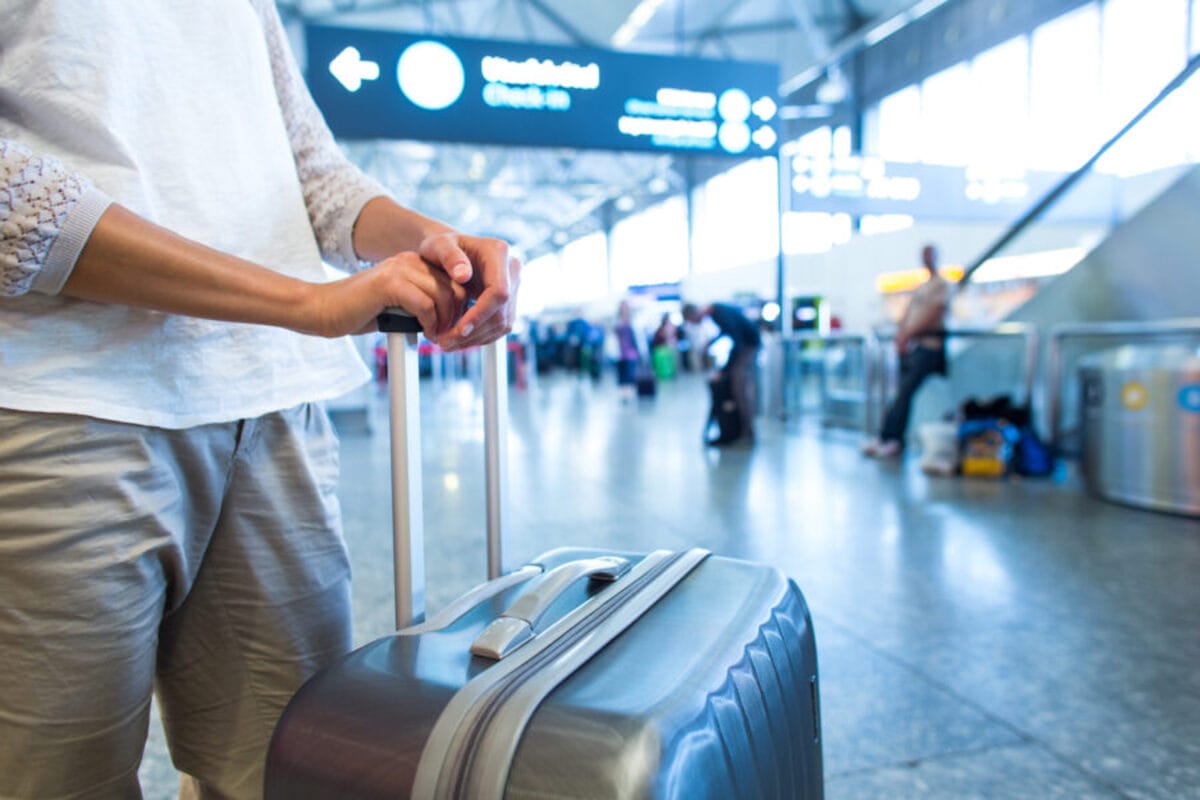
<point x="1026" y="332"/>
<point x="872" y="385"/>
<point x="1171" y="329"/>
<point x="851" y="389"/>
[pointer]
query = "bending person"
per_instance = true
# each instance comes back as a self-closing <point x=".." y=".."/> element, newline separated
<point x="743" y="359"/>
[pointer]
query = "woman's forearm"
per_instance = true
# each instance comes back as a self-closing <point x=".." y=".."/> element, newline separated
<point x="131" y="261"/>
<point x="384" y="228"/>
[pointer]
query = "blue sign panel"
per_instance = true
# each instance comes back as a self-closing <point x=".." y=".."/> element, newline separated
<point x="374" y="84"/>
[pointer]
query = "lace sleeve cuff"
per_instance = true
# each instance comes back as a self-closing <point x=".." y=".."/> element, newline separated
<point x="343" y="239"/>
<point x="47" y="213"/>
<point x="64" y="250"/>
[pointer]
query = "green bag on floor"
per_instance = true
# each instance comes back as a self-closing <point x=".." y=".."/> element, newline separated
<point x="663" y="359"/>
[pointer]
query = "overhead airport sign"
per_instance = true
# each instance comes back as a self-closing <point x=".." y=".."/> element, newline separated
<point x="373" y="84"/>
<point x="859" y="185"/>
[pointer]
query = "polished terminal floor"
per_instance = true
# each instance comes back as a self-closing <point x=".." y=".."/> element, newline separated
<point x="977" y="638"/>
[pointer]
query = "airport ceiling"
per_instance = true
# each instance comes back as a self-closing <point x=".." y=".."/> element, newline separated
<point x="538" y="198"/>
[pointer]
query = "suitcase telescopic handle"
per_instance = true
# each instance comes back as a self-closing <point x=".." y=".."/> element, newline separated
<point x="407" y="517"/>
<point x="519" y="623"/>
<point x="397" y="320"/>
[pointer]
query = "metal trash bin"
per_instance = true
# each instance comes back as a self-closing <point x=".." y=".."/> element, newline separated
<point x="1140" y="418"/>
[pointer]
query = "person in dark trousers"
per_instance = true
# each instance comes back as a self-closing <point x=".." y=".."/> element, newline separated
<point x="742" y="360"/>
<point x="921" y="343"/>
<point x="628" y="353"/>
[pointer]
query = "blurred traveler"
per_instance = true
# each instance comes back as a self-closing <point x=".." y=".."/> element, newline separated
<point x="666" y="334"/>
<point x="740" y="367"/>
<point x="664" y="348"/>
<point x="921" y="343"/>
<point x="628" y="352"/>
<point x="169" y="516"/>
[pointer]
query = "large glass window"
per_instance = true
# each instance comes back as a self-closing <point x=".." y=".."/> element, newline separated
<point x="1138" y="60"/>
<point x="540" y="285"/>
<point x="1194" y="33"/>
<point x="1047" y="101"/>
<point x="946" y="118"/>
<point x="1065" y="90"/>
<point x="737" y="217"/>
<point x="843" y="142"/>
<point x="651" y="247"/>
<point x="583" y="270"/>
<point x="898" y="126"/>
<point x="1144" y="46"/>
<point x="999" y="107"/>
<point x="810" y="232"/>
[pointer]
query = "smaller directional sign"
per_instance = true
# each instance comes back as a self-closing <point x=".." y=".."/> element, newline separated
<point x="382" y="84"/>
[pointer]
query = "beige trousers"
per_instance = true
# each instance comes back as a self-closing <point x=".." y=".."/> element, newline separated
<point x="204" y="564"/>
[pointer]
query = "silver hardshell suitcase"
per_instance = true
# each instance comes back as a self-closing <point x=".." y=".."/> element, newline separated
<point x="583" y="674"/>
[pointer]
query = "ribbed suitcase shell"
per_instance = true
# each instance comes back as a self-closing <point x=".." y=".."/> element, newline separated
<point x="712" y="693"/>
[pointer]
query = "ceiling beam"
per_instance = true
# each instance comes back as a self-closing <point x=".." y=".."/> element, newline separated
<point x="862" y="38"/>
<point x="716" y="25"/>
<point x="526" y="20"/>
<point x="817" y="40"/>
<point x="556" y="19"/>
<point x="855" y="18"/>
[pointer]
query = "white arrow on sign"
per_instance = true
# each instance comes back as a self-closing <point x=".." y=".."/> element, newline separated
<point x="764" y="137"/>
<point x="764" y="108"/>
<point x="350" y="70"/>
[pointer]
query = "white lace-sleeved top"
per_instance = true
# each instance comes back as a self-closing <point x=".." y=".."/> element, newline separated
<point x="193" y="114"/>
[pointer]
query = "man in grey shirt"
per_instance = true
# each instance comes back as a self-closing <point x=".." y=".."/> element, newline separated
<point x="921" y="343"/>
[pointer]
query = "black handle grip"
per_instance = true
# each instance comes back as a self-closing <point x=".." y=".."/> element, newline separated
<point x="397" y="320"/>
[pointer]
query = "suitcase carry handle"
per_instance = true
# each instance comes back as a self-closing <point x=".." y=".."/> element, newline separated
<point x="448" y="615"/>
<point x="408" y="530"/>
<point x="518" y="624"/>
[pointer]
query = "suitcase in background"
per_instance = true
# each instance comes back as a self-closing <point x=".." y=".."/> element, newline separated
<point x="647" y="384"/>
<point x="724" y="421"/>
<point x="581" y="675"/>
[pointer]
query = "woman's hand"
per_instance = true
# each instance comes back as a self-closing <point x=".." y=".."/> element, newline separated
<point x="490" y="275"/>
<point x="405" y="280"/>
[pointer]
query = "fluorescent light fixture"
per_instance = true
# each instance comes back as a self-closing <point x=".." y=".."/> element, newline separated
<point x="637" y="20"/>
<point x="834" y="89"/>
